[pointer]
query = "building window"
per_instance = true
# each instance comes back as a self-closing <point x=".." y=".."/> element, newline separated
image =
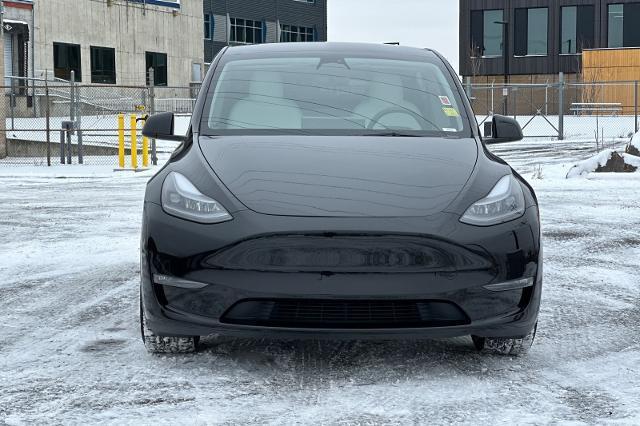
<point x="623" y="25"/>
<point x="576" y="29"/>
<point x="103" y="65"/>
<point x="66" y="58"/>
<point x="616" y="29"/>
<point x="208" y="26"/>
<point x="531" y="31"/>
<point x="246" y="31"/>
<point x="157" y="61"/>
<point x="294" y="33"/>
<point x="486" y="33"/>
<point x="196" y="73"/>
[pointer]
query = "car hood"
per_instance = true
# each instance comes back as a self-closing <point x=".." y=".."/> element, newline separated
<point x="357" y="176"/>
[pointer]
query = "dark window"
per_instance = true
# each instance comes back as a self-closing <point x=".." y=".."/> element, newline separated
<point x="616" y="30"/>
<point x="157" y="61"/>
<point x="289" y="93"/>
<point x="623" y="25"/>
<point x="246" y="31"/>
<point x="531" y="31"/>
<point x="294" y="33"/>
<point x="66" y="58"/>
<point x="103" y="65"/>
<point x="477" y="33"/>
<point x="208" y="26"/>
<point x="576" y="28"/>
<point x="486" y="32"/>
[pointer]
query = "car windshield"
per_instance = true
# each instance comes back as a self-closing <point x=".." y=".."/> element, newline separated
<point x="333" y="95"/>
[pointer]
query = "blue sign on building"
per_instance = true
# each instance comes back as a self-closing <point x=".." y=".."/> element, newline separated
<point x="167" y="3"/>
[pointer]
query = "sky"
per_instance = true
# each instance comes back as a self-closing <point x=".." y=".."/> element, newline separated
<point x="419" y="23"/>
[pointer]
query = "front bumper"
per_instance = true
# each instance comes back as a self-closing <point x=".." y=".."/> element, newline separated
<point x="269" y="259"/>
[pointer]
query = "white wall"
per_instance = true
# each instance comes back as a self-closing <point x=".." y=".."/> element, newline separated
<point x="3" y="141"/>
<point x="129" y="27"/>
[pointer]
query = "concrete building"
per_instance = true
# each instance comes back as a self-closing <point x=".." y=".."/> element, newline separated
<point x="115" y="41"/>
<point x="105" y="41"/>
<point x="118" y="40"/>
<point x="17" y="27"/>
<point x="3" y="135"/>
<point x="233" y="22"/>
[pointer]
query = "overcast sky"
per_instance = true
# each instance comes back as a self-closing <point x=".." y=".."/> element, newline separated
<point x="419" y="23"/>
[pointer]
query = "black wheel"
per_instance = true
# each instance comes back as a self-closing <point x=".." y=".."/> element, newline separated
<point x="506" y="345"/>
<point x="165" y="344"/>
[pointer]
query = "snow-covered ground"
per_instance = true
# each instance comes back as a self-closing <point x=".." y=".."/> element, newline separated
<point x="70" y="350"/>
<point x="576" y="127"/>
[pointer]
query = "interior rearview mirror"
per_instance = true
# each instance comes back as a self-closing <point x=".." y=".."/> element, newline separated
<point x="161" y="126"/>
<point x="502" y="129"/>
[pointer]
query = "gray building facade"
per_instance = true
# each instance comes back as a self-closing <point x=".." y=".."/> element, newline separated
<point x="542" y="37"/>
<point x="237" y="22"/>
<point x="106" y="42"/>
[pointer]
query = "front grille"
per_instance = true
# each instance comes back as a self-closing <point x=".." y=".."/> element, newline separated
<point x="310" y="313"/>
<point x="347" y="254"/>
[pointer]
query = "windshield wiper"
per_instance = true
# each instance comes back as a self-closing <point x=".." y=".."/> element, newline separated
<point x="393" y="134"/>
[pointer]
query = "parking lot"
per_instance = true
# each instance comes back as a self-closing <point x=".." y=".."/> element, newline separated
<point x="70" y="350"/>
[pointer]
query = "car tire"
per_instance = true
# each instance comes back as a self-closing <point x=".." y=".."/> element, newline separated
<point x="514" y="346"/>
<point x="165" y="344"/>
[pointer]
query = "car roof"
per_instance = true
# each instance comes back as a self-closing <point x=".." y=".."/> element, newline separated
<point x="341" y="48"/>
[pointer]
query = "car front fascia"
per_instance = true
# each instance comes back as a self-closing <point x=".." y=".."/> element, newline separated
<point x="191" y="242"/>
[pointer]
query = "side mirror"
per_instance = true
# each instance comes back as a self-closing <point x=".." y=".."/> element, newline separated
<point x="160" y="126"/>
<point x="502" y="129"/>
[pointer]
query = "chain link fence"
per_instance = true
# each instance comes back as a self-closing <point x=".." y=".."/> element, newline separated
<point x="594" y="111"/>
<point x="51" y="121"/>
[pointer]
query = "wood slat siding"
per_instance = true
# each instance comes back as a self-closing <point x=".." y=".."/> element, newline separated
<point x="554" y="62"/>
<point x="613" y="65"/>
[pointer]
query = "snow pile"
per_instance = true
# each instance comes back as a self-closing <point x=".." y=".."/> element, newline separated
<point x="634" y="146"/>
<point x="601" y="160"/>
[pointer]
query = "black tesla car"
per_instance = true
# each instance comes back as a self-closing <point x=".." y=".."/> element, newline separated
<point x="333" y="190"/>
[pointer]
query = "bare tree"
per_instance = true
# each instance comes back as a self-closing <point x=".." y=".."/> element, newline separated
<point x="475" y="60"/>
<point x="591" y="90"/>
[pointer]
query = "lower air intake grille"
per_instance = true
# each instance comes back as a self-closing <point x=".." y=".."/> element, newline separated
<point x="305" y="313"/>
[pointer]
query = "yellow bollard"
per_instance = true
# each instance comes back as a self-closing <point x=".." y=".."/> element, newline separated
<point x="145" y="150"/>
<point x="121" y="140"/>
<point x="134" y="142"/>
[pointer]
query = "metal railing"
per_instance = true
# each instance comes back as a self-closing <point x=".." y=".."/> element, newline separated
<point x="52" y="121"/>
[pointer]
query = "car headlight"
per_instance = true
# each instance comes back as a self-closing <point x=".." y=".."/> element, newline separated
<point x="505" y="202"/>
<point x="182" y="199"/>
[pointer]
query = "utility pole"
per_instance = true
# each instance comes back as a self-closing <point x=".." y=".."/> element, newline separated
<point x="4" y="149"/>
<point x="505" y="54"/>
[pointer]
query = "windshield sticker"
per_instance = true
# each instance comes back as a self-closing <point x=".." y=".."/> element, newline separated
<point x="446" y="129"/>
<point x="450" y="112"/>
<point x="444" y="100"/>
